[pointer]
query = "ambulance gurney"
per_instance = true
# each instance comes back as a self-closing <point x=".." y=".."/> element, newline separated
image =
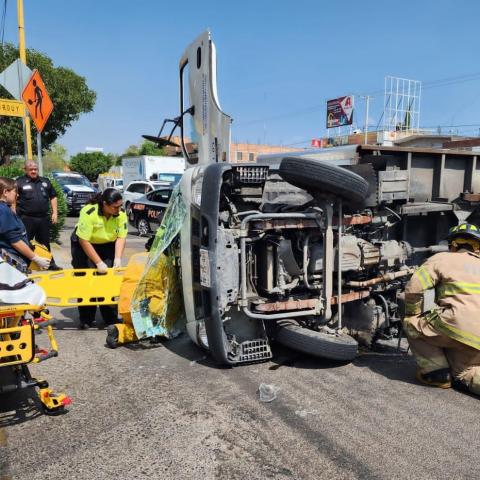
<point x="22" y="316"/>
<point x="80" y="287"/>
<point x="151" y="303"/>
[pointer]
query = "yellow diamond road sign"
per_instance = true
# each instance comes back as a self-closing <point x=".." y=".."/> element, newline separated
<point x="12" y="108"/>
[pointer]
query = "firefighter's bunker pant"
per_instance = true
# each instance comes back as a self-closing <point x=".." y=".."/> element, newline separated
<point x="434" y="350"/>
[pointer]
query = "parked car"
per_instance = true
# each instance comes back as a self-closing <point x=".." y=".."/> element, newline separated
<point x="77" y="189"/>
<point x="138" y="189"/>
<point x="146" y="212"/>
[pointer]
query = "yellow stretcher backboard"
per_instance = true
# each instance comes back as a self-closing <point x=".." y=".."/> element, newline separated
<point x="80" y="287"/>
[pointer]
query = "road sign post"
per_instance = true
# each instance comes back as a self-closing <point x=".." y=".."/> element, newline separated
<point x="39" y="153"/>
<point x="23" y="59"/>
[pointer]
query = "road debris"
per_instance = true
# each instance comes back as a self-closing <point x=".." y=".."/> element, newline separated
<point x="304" y="413"/>
<point x="267" y="393"/>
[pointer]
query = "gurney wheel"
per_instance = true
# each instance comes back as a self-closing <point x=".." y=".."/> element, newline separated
<point x="53" y="411"/>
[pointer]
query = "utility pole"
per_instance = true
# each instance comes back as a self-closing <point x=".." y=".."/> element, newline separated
<point x="27" y="135"/>
<point x="367" y="103"/>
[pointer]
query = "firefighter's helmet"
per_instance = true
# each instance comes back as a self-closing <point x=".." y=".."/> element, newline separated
<point x="465" y="234"/>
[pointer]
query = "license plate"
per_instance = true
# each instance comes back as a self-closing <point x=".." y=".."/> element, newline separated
<point x="204" y="268"/>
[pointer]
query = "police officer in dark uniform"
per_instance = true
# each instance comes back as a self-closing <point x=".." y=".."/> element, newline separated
<point x="35" y="195"/>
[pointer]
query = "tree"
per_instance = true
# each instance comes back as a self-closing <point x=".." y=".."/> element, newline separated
<point x="12" y="170"/>
<point x="146" y="148"/>
<point x="114" y="158"/>
<point x="69" y="93"/>
<point x="131" y="151"/>
<point x="55" y="158"/>
<point x="91" y="164"/>
<point x="150" y="148"/>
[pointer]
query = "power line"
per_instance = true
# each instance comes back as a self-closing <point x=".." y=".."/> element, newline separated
<point x="315" y="108"/>
<point x="3" y="21"/>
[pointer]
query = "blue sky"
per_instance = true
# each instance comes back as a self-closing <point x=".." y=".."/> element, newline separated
<point x="278" y="61"/>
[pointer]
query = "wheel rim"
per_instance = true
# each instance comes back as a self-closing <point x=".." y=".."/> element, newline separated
<point x="130" y="214"/>
<point x="143" y="227"/>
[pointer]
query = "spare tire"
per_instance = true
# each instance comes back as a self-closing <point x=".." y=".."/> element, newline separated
<point x="324" y="345"/>
<point x="319" y="176"/>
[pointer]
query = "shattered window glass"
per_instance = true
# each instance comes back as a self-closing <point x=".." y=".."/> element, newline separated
<point x="157" y="304"/>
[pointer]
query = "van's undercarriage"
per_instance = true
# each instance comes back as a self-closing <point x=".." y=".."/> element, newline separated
<point x="313" y="250"/>
<point x="271" y="259"/>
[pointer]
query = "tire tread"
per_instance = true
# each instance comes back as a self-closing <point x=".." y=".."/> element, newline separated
<point x="317" y="175"/>
<point x="323" y="345"/>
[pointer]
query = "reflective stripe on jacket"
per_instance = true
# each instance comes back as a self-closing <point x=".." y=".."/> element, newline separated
<point x="456" y="279"/>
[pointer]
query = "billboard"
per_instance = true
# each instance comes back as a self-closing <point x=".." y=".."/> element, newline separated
<point x="340" y="111"/>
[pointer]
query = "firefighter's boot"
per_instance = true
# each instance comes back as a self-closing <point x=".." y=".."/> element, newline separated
<point x="438" y="378"/>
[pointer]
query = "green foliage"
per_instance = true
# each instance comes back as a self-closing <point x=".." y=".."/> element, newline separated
<point x="69" y="93"/>
<point x="55" y="158"/>
<point x="12" y="170"/>
<point x="146" y="148"/>
<point x="131" y="151"/>
<point x="62" y="210"/>
<point x="150" y="148"/>
<point x="91" y="164"/>
<point x="114" y="158"/>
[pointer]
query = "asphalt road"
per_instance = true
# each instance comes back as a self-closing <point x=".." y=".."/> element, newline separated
<point x="167" y="412"/>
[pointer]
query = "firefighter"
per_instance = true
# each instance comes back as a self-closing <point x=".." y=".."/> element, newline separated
<point x="35" y="196"/>
<point x="445" y="341"/>
<point x="98" y="241"/>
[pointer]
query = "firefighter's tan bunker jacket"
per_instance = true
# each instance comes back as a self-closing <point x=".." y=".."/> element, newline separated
<point x="456" y="279"/>
<point x="449" y="335"/>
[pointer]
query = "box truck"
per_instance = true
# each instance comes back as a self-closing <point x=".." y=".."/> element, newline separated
<point x="154" y="168"/>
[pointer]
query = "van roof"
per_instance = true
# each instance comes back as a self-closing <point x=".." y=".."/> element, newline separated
<point x="67" y="174"/>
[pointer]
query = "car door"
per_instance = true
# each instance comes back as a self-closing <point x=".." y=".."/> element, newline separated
<point x="134" y="190"/>
<point x="156" y="205"/>
<point x="210" y="125"/>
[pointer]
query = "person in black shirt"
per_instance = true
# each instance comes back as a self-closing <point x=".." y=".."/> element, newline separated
<point x="35" y="195"/>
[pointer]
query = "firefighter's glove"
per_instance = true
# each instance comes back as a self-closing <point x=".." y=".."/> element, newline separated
<point x="42" y="262"/>
<point x="101" y="267"/>
<point x="117" y="263"/>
